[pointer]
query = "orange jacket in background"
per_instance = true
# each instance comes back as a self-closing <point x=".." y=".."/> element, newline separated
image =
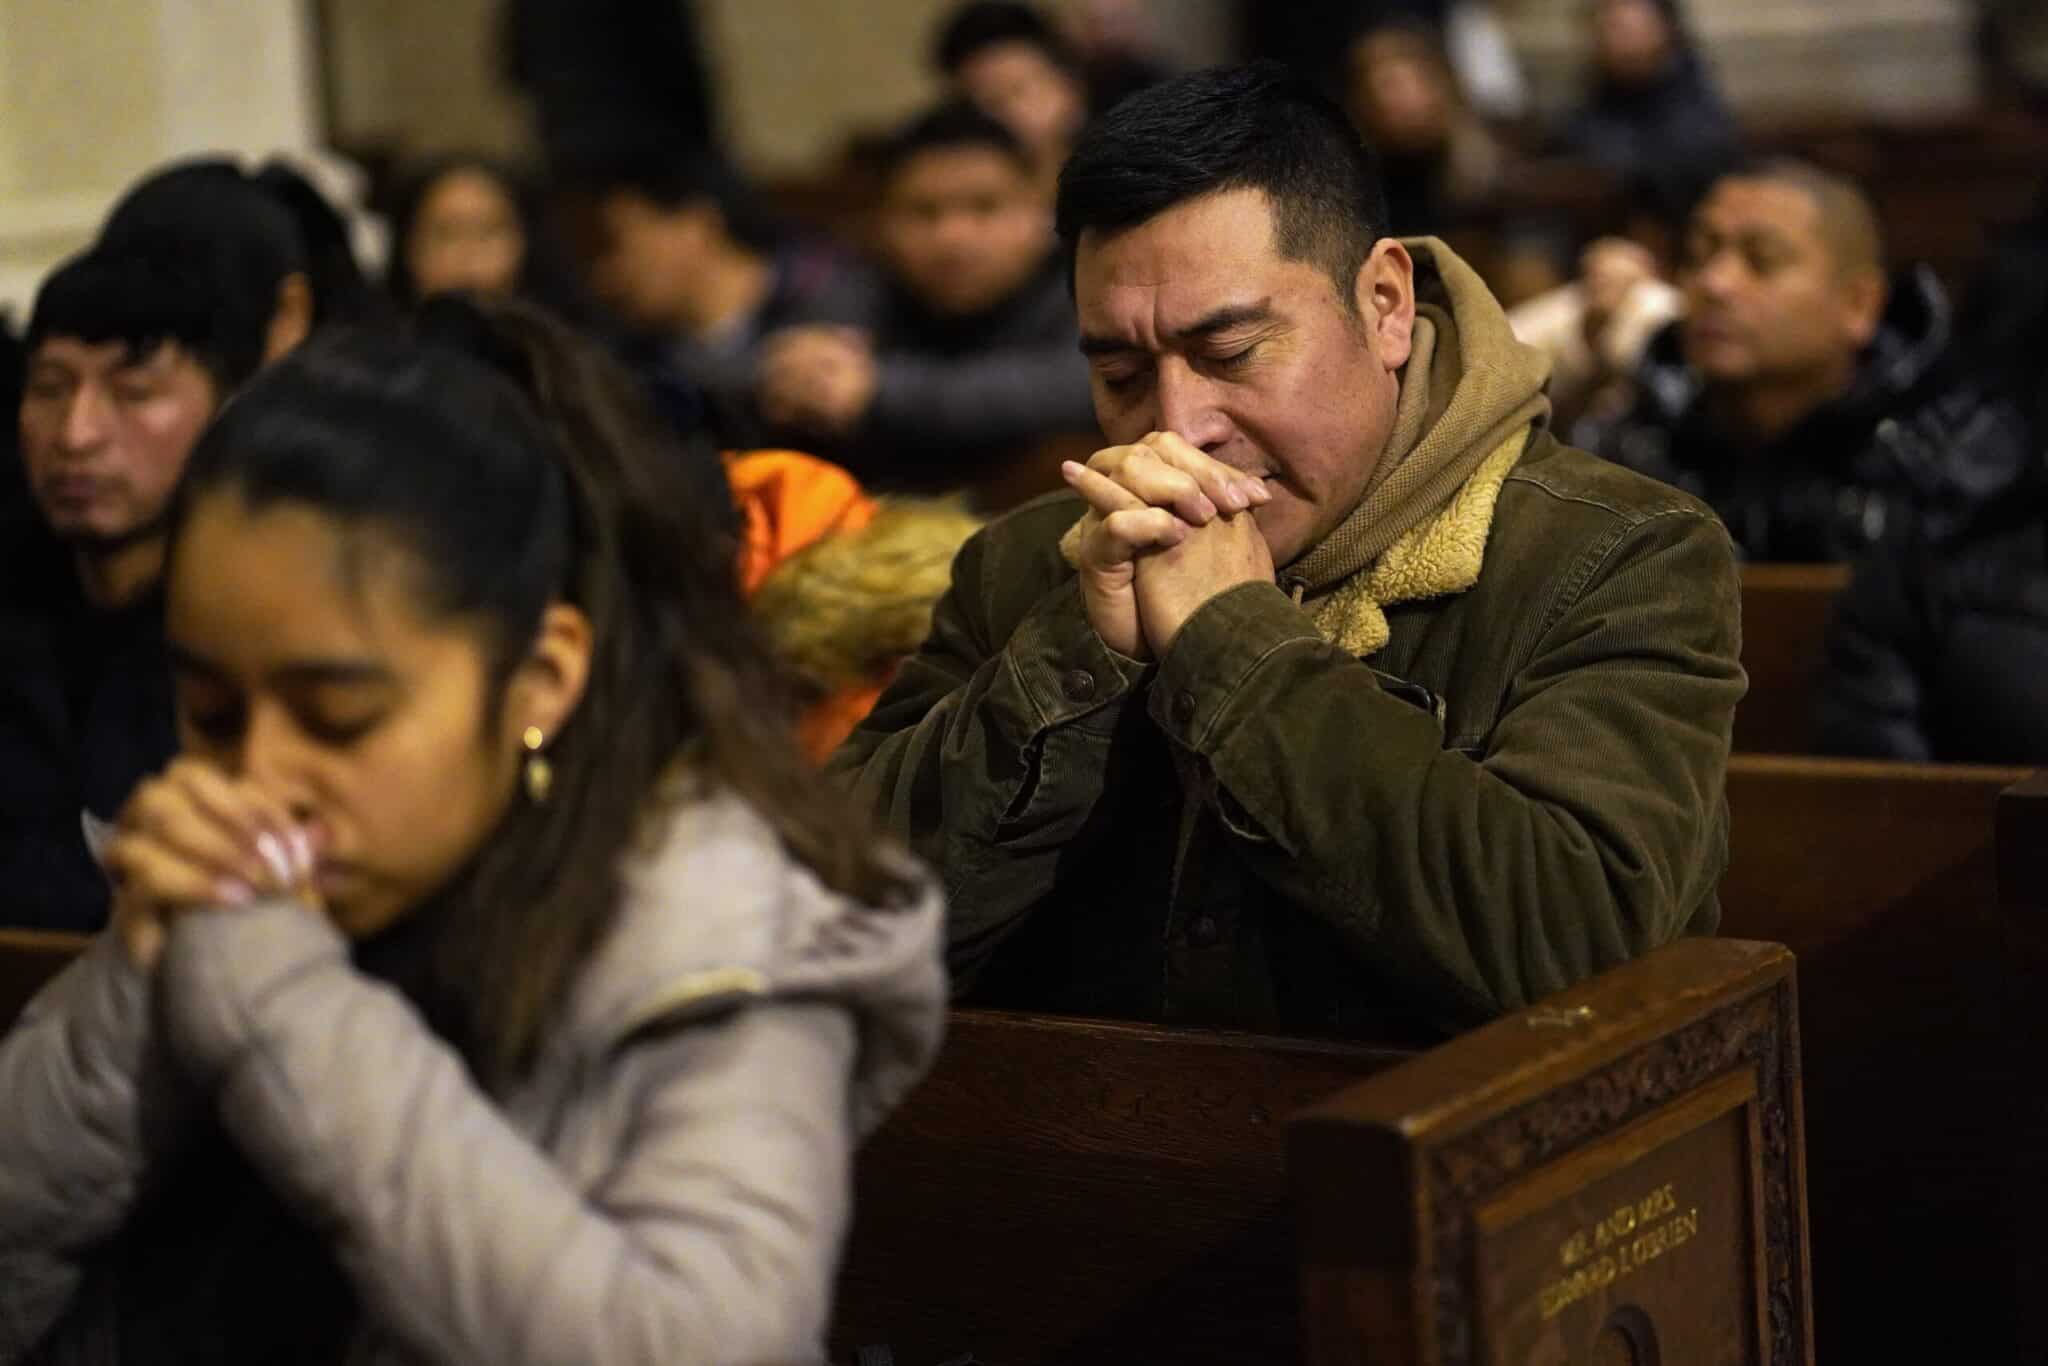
<point x="788" y="500"/>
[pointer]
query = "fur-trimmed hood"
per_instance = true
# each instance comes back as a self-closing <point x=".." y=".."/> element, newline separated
<point x="847" y="607"/>
<point x="1471" y="394"/>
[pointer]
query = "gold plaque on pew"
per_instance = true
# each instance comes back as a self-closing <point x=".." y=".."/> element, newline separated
<point x="1664" y="1214"/>
<point x="1612" y="1179"/>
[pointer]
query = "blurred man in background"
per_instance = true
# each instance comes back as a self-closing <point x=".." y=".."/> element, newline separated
<point x="126" y="365"/>
<point x="671" y="242"/>
<point x="1803" y="395"/>
<point x="960" y="356"/>
<point x="202" y="275"/>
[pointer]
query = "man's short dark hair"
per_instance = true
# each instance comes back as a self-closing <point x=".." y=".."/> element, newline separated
<point x="147" y="300"/>
<point x="669" y="172"/>
<point x="982" y="24"/>
<point x="251" y="230"/>
<point x="1254" y="127"/>
<point x="953" y="124"/>
<point x="666" y="171"/>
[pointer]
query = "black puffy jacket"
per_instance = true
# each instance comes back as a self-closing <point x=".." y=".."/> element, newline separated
<point x="1914" y="447"/>
<point x="1940" y="652"/>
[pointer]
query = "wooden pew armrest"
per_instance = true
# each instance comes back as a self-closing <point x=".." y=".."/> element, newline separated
<point x="1486" y="1181"/>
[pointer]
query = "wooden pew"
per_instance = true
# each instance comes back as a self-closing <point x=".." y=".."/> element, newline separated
<point x="29" y="958"/>
<point x="1881" y="879"/>
<point x="1077" y="1192"/>
<point x="1613" y="1176"/>
<point x="1785" y="613"/>
<point x="2023" y="898"/>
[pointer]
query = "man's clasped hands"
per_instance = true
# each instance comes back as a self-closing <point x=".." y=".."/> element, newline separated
<point x="1168" y="527"/>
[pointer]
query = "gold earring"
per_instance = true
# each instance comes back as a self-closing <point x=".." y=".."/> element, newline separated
<point x="540" y="774"/>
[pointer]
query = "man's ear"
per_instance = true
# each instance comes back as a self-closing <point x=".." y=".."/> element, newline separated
<point x="1864" y="296"/>
<point x="292" y="319"/>
<point x="548" y="684"/>
<point x="1384" y="296"/>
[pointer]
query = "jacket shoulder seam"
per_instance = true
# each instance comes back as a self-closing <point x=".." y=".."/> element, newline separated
<point x="1631" y="516"/>
<point x="1597" y="555"/>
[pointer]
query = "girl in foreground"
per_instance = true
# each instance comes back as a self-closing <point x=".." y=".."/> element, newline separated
<point x="490" y="980"/>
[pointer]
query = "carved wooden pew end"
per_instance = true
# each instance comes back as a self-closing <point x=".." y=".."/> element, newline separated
<point x="1615" y="1176"/>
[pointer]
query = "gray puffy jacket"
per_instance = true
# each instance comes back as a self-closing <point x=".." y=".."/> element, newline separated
<point x="671" y="1184"/>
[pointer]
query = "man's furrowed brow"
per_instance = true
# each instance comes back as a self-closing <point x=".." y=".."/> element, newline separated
<point x="1219" y="320"/>
<point x="1224" y="319"/>
<point x="1105" y="346"/>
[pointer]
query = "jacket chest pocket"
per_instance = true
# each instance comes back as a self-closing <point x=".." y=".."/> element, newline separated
<point x="1414" y="694"/>
<point x="1466" y="741"/>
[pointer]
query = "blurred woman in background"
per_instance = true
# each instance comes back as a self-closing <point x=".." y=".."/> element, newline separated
<point x="459" y="223"/>
<point x="1438" y="162"/>
<point x="1654" y="105"/>
<point x="466" y="222"/>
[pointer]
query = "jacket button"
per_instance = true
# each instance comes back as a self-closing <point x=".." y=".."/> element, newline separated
<point x="1183" y="708"/>
<point x="1204" y="932"/>
<point x="1079" y="685"/>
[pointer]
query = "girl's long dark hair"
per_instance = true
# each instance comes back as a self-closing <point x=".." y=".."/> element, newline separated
<point x="519" y="465"/>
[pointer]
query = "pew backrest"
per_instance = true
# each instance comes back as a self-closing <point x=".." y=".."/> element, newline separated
<point x="1881" y="878"/>
<point x="1076" y="1191"/>
<point x="1822" y="850"/>
<point x="1785" y="614"/>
